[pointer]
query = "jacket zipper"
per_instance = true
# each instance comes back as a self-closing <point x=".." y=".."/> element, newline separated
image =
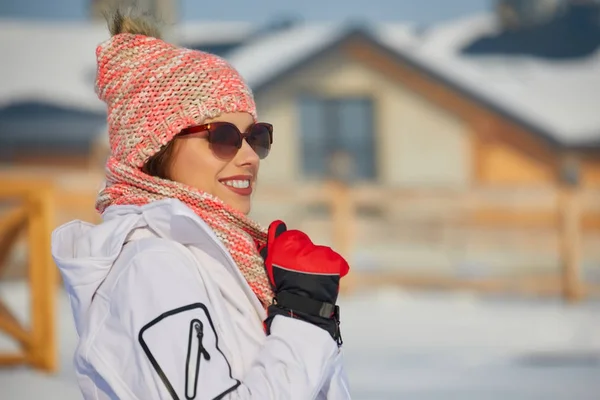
<point x="196" y="352"/>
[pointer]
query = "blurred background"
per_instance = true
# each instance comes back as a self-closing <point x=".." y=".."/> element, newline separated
<point x="449" y="149"/>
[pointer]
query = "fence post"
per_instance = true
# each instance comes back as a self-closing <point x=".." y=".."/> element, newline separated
<point x="43" y="279"/>
<point x="569" y="212"/>
<point x="343" y="225"/>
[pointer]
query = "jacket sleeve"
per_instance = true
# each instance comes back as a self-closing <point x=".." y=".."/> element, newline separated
<point x="336" y="386"/>
<point x="161" y="340"/>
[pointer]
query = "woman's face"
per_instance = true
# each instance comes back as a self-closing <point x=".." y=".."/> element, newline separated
<point x="194" y="164"/>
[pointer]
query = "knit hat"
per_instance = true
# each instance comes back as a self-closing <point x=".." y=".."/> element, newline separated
<point x="154" y="89"/>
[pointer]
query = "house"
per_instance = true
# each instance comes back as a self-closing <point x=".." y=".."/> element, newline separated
<point x="413" y="109"/>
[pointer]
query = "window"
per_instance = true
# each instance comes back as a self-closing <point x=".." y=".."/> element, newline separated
<point x="337" y="136"/>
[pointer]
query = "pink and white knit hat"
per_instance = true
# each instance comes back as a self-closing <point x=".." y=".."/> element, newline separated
<point x="154" y="90"/>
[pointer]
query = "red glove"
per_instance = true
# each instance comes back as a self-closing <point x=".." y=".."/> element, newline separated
<point x="305" y="278"/>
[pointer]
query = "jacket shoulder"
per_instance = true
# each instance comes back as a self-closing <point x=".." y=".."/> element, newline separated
<point x="151" y="268"/>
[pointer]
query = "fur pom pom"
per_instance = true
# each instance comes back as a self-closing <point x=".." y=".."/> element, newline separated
<point x="132" y="21"/>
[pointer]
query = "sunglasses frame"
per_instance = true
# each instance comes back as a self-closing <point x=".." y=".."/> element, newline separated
<point x="212" y="126"/>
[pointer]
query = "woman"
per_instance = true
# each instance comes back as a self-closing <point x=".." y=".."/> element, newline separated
<point x="177" y="293"/>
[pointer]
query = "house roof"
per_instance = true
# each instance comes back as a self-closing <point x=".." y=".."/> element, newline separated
<point x="556" y="99"/>
<point x="51" y="62"/>
<point x="300" y="46"/>
<point x="270" y="54"/>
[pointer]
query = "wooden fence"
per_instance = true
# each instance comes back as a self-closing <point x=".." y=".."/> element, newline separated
<point x="29" y="210"/>
<point x="345" y="217"/>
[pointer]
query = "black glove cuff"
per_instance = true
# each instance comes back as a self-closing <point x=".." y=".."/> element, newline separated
<point x="330" y="324"/>
<point x="305" y="305"/>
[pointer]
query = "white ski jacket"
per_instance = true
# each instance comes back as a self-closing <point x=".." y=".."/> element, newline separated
<point x="162" y="312"/>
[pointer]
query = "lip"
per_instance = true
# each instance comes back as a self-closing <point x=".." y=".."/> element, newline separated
<point x="240" y="191"/>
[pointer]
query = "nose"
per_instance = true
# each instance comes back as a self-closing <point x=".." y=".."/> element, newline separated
<point x="246" y="155"/>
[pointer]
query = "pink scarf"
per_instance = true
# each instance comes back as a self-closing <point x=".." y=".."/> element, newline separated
<point x="239" y="234"/>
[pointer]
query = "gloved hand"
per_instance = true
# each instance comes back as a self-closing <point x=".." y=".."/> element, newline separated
<point x="304" y="277"/>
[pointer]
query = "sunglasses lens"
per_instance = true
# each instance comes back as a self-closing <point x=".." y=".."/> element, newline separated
<point x="260" y="140"/>
<point x="225" y="140"/>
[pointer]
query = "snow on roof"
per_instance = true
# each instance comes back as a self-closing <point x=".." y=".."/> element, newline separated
<point x="271" y="54"/>
<point x="49" y="62"/>
<point x="561" y="97"/>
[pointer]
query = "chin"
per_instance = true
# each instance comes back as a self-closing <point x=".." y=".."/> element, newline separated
<point x="243" y="207"/>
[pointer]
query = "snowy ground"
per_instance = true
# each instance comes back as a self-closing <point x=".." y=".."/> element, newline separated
<point x="402" y="345"/>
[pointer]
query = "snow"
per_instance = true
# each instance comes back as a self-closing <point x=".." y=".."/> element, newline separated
<point x="51" y="62"/>
<point x="421" y="345"/>
<point x="271" y="54"/>
<point x="558" y="96"/>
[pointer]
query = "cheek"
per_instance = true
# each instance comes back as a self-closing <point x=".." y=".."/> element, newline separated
<point x="195" y="165"/>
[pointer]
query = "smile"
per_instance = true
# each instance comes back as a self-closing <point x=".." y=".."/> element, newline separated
<point x="240" y="184"/>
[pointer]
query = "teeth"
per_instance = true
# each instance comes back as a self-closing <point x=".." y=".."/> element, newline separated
<point x="238" y="184"/>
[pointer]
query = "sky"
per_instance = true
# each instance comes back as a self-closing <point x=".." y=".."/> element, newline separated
<point x="418" y="11"/>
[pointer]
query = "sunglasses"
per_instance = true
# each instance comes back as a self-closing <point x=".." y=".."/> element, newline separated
<point x="226" y="139"/>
